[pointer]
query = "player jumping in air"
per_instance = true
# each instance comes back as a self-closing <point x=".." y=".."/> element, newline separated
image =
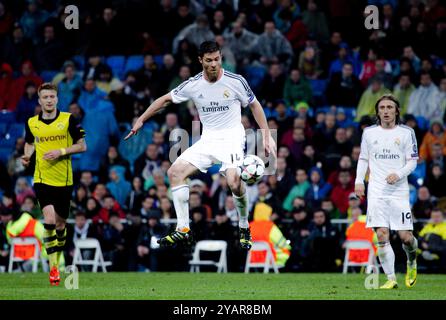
<point x="218" y="96"/>
<point x="389" y="151"/>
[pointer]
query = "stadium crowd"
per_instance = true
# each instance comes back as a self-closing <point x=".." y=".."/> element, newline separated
<point x="312" y="64"/>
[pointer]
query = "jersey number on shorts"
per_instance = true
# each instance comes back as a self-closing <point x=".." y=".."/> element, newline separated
<point x="407" y="214"/>
<point x="236" y="156"/>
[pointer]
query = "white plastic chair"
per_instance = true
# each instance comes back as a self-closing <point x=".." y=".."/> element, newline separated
<point x="355" y="245"/>
<point x="16" y="242"/>
<point x="269" y="262"/>
<point x="97" y="261"/>
<point x="213" y="246"/>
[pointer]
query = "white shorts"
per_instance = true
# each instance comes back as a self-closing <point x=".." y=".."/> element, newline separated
<point x="219" y="146"/>
<point x="394" y="214"/>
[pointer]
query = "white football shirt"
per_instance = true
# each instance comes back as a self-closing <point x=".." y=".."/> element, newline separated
<point x="218" y="103"/>
<point x="386" y="151"/>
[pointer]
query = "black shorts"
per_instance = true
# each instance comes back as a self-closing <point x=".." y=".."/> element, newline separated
<point x="59" y="197"/>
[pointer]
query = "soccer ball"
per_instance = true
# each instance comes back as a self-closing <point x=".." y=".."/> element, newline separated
<point x="251" y="169"/>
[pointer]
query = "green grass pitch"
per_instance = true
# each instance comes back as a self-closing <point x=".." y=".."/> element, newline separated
<point x="213" y="286"/>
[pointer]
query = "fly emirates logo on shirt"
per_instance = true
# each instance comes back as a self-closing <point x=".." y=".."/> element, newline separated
<point x="386" y="154"/>
<point x="215" y="107"/>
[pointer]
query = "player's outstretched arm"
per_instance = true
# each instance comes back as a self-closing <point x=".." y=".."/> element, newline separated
<point x="156" y="106"/>
<point x="259" y="116"/>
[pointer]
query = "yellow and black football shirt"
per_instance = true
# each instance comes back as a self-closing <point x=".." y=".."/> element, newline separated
<point x="53" y="134"/>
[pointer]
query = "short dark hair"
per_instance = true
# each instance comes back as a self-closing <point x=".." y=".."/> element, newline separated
<point x="46" y="86"/>
<point x="208" y="47"/>
<point x="391" y="98"/>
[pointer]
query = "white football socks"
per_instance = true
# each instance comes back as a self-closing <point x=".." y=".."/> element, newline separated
<point x="387" y="259"/>
<point x="241" y="204"/>
<point x="411" y="251"/>
<point x="180" y="195"/>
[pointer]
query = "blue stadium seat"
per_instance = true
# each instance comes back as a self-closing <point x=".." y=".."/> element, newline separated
<point x="254" y="76"/>
<point x="7" y="117"/>
<point x="79" y="61"/>
<point x="5" y="152"/>
<point x="318" y="87"/>
<point x="17" y="130"/>
<point x="48" y="75"/>
<point x="158" y="60"/>
<point x="117" y="64"/>
<point x="3" y="128"/>
<point x="7" y="141"/>
<point x="423" y="123"/>
<point x="134" y="63"/>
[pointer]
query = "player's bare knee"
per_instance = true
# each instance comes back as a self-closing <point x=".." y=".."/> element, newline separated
<point x="175" y="174"/>
<point x="382" y="234"/>
<point x="234" y="183"/>
<point x="406" y="238"/>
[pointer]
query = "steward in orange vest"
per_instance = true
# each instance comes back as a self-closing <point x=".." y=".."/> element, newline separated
<point x="358" y="231"/>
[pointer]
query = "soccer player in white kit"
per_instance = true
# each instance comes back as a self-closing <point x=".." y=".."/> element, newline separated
<point x="218" y="96"/>
<point x="389" y="150"/>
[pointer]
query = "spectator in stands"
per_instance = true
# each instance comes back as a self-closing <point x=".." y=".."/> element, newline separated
<point x="318" y="189"/>
<point x="435" y="135"/>
<point x="108" y="38"/>
<point x="324" y="134"/>
<point x="7" y="20"/>
<point x="334" y="152"/>
<point x="22" y="190"/>
<point x="219" y="23"/>
<point x="168" y="129"/>
<point x="118" y="186"/>
<point x="284" y="178"/>
<point x="146" y="163"/>
<point x="298" y="233"/>
<point x="340" y="194"/>
<point x="384" y="73"/>
<point x="136" y="195"/>
<point x="113" y="158"/>
<point x="32" y="20"/>
<point x="424" y="204"/>
<point x="438" y="157"/>
<point x="316" y="22"/>
<point x="110" y="206"/>
<point x="436" y="181"/>
<point x="70" y="86"/>
<point x="27" y="104"/>
<point x="344" y="88"/>
<point x="309" y="61"/>
<point x="296" y="89"/>
<point x="14" y="165"/>
<point x="90" y="95"/>
<point x="16" y="48"/>
<point x="87" y="180"/>
<point x="147" y="207"/>
<point x="271" y="88"/>
<point x="93" y="207"/>
<point x="79" y="203"/>
<point x="166" y="207"/>
<point x="105" y="79"/>
<point x="413" y="58"/>
<point x="7" y="101"/>
<point x="269" y="197"/>
<point x="432" y="241"/>
<point x="402" y="91"/>
<point x="28" y="75"/>
<point x="147" y="248"/>
<point x="296" y="33"/>
<point x="410" y="121"/>
<point x="199" y="224"/>
<point x="94" y="61"/>
<point x="369" y="97"/>
<point x="344" y="56"/>
<point x="242" y="43"/>
<point x="228" y="59"/>
<point x="421" y="101"/>
<point x="31" y="206"/>
<point x="322" y="244"/>
<point x="195" y="33"/>
<point x="82" y="229"/>
<point x="368" y="69"/>
<point x="440" y="99"/>
<point x="330" y="209"/>
<point x="113" y="243"/>
<point x="230" y="209"/>
<point x="49" y="54"/>
<point x="273" y="47"/>
<point x="182" y="17"/>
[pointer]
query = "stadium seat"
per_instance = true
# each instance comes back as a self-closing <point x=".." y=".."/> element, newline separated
<point x="7" y="117"/>
<point x="349" y="261"/>
<point x="16" y="130"/>
<point x="79" y="61"/>
<point x="98" y="260"/>
<point x="3" y="129"/>
<point x="158" y="59"/>
<point x="254" y="76"/>
<point x="269" y="262"/>
<point x="7" y="141"/>
<point x="48" y="75"/>
<point x="117" y="64"/>
<point x="423" y="123"/>
<point x="213" y="246"/>
<point x="134" y="63"/>
<point x="26" y="249"/>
